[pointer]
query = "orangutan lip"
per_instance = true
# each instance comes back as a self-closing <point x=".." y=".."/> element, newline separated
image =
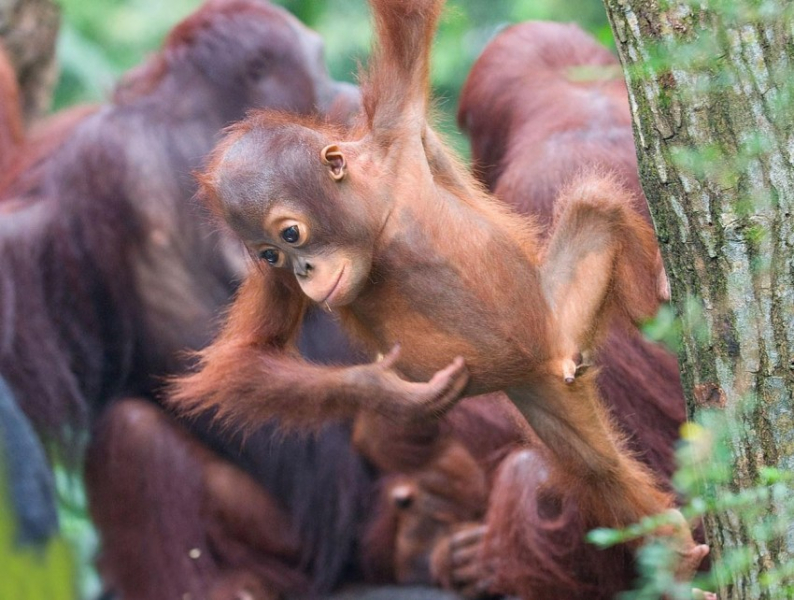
<point x="330" y="295"/>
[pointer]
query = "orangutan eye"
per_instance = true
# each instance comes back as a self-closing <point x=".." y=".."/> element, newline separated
<point x="271" y="255"/>
<point x="403" y="502"/>
<point x="291" y="235"/>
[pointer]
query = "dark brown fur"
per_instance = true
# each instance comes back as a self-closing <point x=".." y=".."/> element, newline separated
<point x="543" y="103"/>
<point x="161" y="498"/>
<point x="421" y="510"/>
<point x="547" y="96"/>
<point x="415" y="252"/>
<point x="109" y="271"/>
<point x="428" y="523"/>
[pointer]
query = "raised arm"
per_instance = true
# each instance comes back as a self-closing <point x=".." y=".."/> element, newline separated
<point x="395" y="87"/>
<point x="252" y="372"/>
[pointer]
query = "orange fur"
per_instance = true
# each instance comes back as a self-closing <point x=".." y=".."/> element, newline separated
<point x="449" y="274"/>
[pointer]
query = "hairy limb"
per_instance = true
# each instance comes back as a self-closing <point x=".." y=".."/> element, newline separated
<point x="209" y="530"/>
<point x="387" y="393"/>
<point x="597" y="262"/>
<point x="457" y="562"/>
<point x="252" y="372"/>
<point x="245" y="513"/>
<point x="689" y="555"/>
<point x="589" y="452"/>
<point x="610" y="486"/>
<point x="395" y="89"/>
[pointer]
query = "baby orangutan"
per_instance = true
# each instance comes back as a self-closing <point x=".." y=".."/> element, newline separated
<point x="382" y="226"/>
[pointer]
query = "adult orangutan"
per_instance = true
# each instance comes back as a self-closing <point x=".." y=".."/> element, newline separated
<point x="381" y="225"/>
<point x="109" y="270"/>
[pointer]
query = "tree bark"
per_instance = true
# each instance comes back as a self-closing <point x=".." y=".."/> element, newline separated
<point x="28" y="30"/>
<point x="709" y="85"/>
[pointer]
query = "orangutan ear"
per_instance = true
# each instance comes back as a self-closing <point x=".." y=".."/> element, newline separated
<point x="333" y="158"/>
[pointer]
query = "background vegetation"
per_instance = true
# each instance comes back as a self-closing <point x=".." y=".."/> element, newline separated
<point x="100" y="40"/>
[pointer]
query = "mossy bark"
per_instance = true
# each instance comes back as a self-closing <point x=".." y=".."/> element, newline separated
<point x="710" y="90"/>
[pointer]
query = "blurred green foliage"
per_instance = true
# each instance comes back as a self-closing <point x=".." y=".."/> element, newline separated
<point x="705" y="477"/>
<point x="77" y="530"/>
<point x="100" y="40"/>
<point x="32" y="573"/>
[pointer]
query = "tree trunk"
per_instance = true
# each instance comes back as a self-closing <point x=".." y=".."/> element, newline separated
<point x="28" y="30"/>
<point x="710" y="88"/>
